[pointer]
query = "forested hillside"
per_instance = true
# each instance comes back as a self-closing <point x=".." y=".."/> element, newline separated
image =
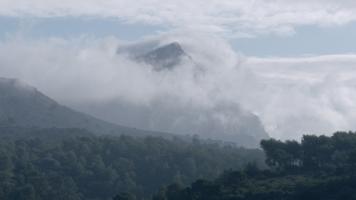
<point x="73" y="164"/>
<point x="318" y="167"/>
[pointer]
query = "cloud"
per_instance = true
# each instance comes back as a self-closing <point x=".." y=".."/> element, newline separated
<point x="236" y="18"/>
<point x="292" y="96"/>
<point x="62" y="67"/>
<point x="88" y="74"/>
<point x="296" y="96"/>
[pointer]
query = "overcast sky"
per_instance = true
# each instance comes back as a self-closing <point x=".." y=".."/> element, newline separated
<point x="256" y="27"/>
<point x="297" y="59"/>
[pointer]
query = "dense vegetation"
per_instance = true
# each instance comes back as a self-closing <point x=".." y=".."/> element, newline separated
<point x="72" y="164"/>
<point x="318" y="167"/>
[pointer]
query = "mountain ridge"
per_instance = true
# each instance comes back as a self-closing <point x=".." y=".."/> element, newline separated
<point x="22" y="105"/>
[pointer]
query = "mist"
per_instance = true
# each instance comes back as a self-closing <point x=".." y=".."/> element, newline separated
<point x="291" y="96"/>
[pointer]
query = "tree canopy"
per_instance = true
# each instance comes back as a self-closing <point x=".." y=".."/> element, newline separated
<point x="73" y="164"/>
<point x="318" y="167"/>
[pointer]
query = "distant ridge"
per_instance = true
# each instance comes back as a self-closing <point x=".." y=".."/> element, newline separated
<point x="22" y="105"/>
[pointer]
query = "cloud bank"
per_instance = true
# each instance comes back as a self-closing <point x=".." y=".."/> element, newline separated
<point x="296" y="96"/>
<point x="292" y="96"/>
<point x="89" y="74"/>
<point x="233" y="18"/>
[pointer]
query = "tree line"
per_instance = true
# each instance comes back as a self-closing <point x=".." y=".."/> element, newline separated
<point x="73" y="164"/>
<point x="317" y="167"/>
<point x="313" y="154"/>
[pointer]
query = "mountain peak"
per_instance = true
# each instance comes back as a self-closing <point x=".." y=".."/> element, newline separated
<point x="164" y="57"/>
<point x="168" y="50"/>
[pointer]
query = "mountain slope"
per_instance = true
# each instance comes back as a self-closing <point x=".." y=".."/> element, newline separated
<point x="24" y="106"/>
<point x="223" y="122"/>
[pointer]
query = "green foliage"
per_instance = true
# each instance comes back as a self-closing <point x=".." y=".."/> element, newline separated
<point x="72" y="164"/>
<point x="314" y="153"/>
<point x="318" y="167"/>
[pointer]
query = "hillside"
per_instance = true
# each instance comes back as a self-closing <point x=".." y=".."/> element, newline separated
<point x="24" y="106"/>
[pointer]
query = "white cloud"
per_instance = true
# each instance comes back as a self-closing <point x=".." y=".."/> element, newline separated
<point x="292" y="96"/>
<point x="295" y="96"/>
<point x="233" y="18"/>
<point x="87" y="72"/>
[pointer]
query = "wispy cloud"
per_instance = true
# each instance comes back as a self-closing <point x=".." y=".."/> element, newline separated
<point x="233" y="18"/>
<point x="301" y="95"/>
<point x="292" y="96"/>
<point x="88" y="72"/>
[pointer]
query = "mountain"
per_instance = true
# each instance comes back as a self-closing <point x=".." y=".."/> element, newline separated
<point x="164" y="57"/>
<point x="224" y="122"/>
<point x="24" y="106"/>
<point x="171" y="112"/>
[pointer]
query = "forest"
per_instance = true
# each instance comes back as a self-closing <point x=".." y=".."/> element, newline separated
<point x="73" y="164"/>
<point x="318" y="167"/>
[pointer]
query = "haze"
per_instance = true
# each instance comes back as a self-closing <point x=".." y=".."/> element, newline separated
<point x="293" y="64"/>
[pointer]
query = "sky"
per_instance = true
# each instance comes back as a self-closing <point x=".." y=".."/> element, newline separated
<point x="294" y="62"/>
<point x="302" y="40"/>
<point x="256" y="27"/>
